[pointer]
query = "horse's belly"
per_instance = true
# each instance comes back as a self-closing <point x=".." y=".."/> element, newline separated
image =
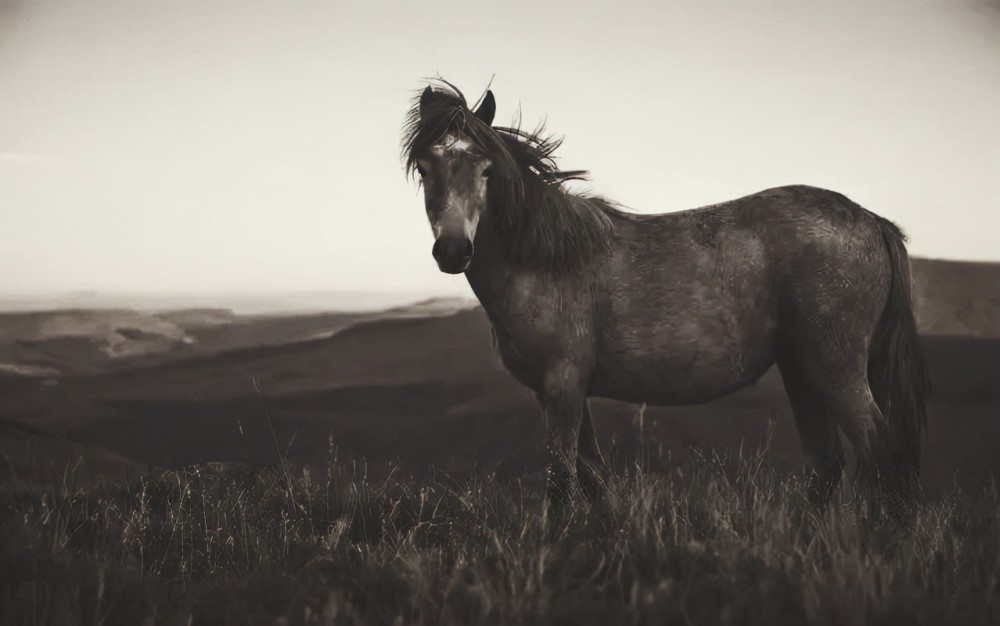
<point x="686" y="364"/>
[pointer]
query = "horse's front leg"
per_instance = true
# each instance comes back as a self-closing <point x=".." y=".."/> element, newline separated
<point x="563" y="402"/>
<point x="591" y="468"/>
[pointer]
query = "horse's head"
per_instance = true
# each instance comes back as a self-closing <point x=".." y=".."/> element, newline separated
<point x="454" y="170"/>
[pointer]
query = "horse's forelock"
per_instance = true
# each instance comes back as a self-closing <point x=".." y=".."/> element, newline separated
<point x="447" y="113"/>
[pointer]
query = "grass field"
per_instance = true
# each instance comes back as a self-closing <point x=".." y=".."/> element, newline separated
<point x="722" y="541"/>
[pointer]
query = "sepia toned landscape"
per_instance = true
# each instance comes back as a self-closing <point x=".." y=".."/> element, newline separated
<point x="260" y="261"/>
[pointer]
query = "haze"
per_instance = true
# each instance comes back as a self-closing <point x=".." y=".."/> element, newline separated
<point x="215" y="146"/>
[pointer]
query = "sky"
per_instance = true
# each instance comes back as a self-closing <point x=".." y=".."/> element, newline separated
<point x="193" y="146"/>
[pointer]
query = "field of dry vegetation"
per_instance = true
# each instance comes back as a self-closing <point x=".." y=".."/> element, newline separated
<point x="724" y="541"/>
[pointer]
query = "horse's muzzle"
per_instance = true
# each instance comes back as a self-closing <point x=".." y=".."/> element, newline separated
<point x="452" y="255"/>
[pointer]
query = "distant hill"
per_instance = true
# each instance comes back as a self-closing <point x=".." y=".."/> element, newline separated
<point x="83" y="341"/>
<point x="240" y="302"/>
<point x="951" y="297"/>
<point x="75" y="342"/>
<point x="957" y="297"/>
<point x="386" y="352"/>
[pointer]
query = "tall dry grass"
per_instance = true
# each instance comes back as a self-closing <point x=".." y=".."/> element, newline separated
<point x="722" y="541"/>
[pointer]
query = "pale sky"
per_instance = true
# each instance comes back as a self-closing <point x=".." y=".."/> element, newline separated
<point x="195" y="145"/>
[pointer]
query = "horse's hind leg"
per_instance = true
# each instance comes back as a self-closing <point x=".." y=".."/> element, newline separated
<point x="817" y="429"/>
<point x="837" y="389"/>
<point x="591" y="469"/>
<point x="860" y="419"/>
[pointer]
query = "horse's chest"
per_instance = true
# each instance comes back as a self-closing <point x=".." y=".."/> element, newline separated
<point x="521" y="359"/>
<point x="537" y="326"/>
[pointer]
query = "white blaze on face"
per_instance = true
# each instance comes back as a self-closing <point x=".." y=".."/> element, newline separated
<point x="451" y="143"/>
<point x="471" y="224"/>
<point x="457" y="215"/>
<point x="460" y="145"/>
<point x="436" y="227"/>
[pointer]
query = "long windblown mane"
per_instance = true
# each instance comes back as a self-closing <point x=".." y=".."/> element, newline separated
<point x="543" y="226"/>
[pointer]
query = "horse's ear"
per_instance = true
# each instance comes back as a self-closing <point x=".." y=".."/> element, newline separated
<point x="487" y="109"/>
<point x="425" y="99"/>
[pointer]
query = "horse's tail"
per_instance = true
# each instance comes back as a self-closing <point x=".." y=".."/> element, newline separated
<point x="897" y="372"/>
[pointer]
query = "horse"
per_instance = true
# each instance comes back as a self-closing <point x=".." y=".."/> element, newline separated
<point x="587" y="298"/>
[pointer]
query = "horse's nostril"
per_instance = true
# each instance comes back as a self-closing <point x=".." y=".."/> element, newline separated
<point x="438" y="250"/>
<point x="452" y="249"/>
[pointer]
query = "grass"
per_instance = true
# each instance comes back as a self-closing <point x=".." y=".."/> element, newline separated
<point x="722" y="541"/>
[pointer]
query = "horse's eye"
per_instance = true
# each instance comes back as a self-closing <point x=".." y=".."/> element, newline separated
<point x="488" y="172"/>
<point x="421" y="171"/>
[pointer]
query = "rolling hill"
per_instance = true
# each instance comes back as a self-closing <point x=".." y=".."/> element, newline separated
<point x="957" y="298"/>
<point x="430" y="392"/>
<point x="421" y="387"/>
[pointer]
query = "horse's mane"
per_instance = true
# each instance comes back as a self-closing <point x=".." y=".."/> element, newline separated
<point x="541" y="224"/>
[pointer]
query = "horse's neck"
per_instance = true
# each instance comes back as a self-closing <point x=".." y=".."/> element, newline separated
<point x="489" y="274"/>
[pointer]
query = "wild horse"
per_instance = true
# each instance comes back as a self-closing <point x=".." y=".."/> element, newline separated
<point x="587" y="299"/>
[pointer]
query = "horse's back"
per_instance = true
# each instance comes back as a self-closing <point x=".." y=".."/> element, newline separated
<point x="777" y="235"/>
<point x="693" y="301"/>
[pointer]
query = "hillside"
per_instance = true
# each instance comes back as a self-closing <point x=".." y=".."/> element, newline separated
<point x="431" y="392"/>
<point x="81" y="342"/>
<point x="421" y="386"/>
<point x="952" y="298"/>
<point x="957" y="298"/>
<point x="31" y="457"/>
